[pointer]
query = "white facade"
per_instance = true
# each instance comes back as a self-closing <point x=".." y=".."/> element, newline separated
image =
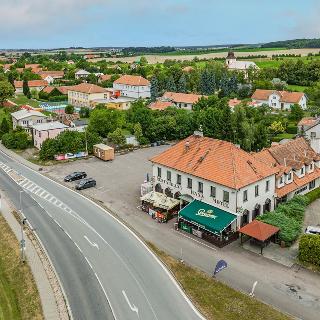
<point x="133" y="91"/>
<point x="274" y="101"/>
<point x="80" y="99"/>
<point x="49" y="79"/>
<point x="313" y="135"/>
<point x="246" y="207"/>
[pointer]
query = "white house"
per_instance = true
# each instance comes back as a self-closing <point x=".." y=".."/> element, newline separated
<point x="181" y="100"/>
<point x="37" y="85"/>
<point x="81" y="74"/>
<point x="133" y="86"/>
<point x="309" y="127"/>
<point x="218" y="173"/>
<point x="27" y="118"/>
<point x="282" y="100"/>
<point x="243" y="66"/>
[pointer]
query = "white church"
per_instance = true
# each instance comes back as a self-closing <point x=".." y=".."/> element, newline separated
<point x="233" y="64"/>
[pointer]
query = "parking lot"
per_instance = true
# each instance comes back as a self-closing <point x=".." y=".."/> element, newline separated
<point x="118" y="182"/>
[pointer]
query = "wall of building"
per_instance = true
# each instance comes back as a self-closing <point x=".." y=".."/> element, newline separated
<point x="40" y="136"/>
<point x="133" y="91"/>
<point x="79" y="99"/>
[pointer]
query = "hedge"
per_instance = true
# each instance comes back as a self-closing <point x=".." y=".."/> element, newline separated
<point x="313" y="195"/>
<point x="292" y="129"/>
<point x="309" y="249"/>
<point x="288" y="217"/>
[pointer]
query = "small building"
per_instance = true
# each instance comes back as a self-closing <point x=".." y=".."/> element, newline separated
<point x="81" y="74"/>
<point x="50" y="76"/>
<point x="104" y="77"/>
<point x="103" y="152"/>
<point x="160" y="105"/>
<point x="83" y="94"/>
<point x="309" y="128"/>
<point x="281" y="100"/>
<point x="114" y="102"/>
<point x="79" y="125"/>
<point x="133" y="86"/>
<point x="243" y="66"/>
<point x="37" y="85"/>
<point x="27" y="118"/>
<point x="44" y="131"/>
<point x="182" y="100"/>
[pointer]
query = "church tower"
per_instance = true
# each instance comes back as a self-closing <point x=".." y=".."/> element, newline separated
<point x="230" y="58"/>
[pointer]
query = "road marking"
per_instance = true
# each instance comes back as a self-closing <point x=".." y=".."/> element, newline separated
<point x="78" y="247"/>
<point x="90" y="265"/>
<point x="42" y="193"/>
<point x="132" y="306"/>
<point x="92" y="243"/>
<point x="68" y="235"/>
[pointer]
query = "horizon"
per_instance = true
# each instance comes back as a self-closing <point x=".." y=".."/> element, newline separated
<point x="36" y="24"/>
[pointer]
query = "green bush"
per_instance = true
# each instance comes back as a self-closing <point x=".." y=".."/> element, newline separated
<point x="313" y="195"/>
<point x="309" y="249"/>
<point x="18" y="139"/>
<point x="58" y="98"/>
<point x="288" y="217"/>
<point x="292" y="129"/>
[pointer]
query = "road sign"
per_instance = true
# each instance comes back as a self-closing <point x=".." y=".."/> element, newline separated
<point x="221" y="264"/>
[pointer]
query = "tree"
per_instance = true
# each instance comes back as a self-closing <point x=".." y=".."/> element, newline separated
<point x="26" y="89"/>
<point x="49" y="149"/>
<point x="296" y="112"/>
<point x="69" y="109"/>
<point x="143" y="61"/>
<point x="170" y="85"/>
<point x="154" y="90"/>
<point x="117" y="137"/>
<point x="138" y="132"/>
<point x="4" y="126"/>
<point x="6" y="91"/>
<point x="182" y="84"/>
<point x="276" y="127"/>
<point x="84" y="112"/>
<point x="17" y="139"/>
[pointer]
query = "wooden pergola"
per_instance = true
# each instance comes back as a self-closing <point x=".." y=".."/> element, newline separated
<point x="260" y="231"/>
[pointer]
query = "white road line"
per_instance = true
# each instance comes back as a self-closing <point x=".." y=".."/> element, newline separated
<point x="92" y="243"/>
<point x="68" y="235"/>
<point x="42" y="193"/>
<point x="78" y="247"/>
<point x="36" y="189"/>
<point x="32" y="187"/>
<point x="46" y="197"/>
<point x="53" y="200"/>
<point x="57" y="223"/>
<point x="132" y="306"/>
<point x="22" y="181"/>
<point x="26" y="184"/>
<point x="90" y="265"/>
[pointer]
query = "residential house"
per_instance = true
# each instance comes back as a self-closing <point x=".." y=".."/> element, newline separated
<point x="244" y="66"/>
<point x="62" y="90"/>
<point x="37" y="85"/>
<point x="297" y="166"/>
<point x="104" y="77"/>
<point x="81" y="74"/>
<point x="309" y="128"/>
<point x="44" y="131"/>
<point x="79" y="125"/>
<point x="50" y="76"/>
<point x="281" y="100"/>
<point x="160" y="105"/>
<point x="47" y="77"/>
<point x="133" y="86"/>
<point x="27" y="118"/>
<point x="114" y="102"/>
<point x="218" y="173"/>
<point x="83" y="94"/>
<point x="182" y="100"/>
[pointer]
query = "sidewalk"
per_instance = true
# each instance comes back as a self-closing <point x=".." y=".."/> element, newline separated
<point x="48" y="302"/>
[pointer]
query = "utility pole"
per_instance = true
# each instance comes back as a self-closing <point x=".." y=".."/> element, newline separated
<point x="23" y="221"/>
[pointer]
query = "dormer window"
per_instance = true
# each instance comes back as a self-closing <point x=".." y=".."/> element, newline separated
<point x="289" y="176"/>
<point x="302" y="170"/>
<point x="281" y="179"/>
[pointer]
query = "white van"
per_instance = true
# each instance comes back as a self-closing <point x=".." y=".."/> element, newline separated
<point x="312" y="230"/>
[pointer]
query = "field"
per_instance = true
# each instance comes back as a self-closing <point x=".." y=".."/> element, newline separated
<point x="214" y="299"/>
<point x="297" y="88"/>
<point x="21" y="99"/>
<point x="19" y="297"/>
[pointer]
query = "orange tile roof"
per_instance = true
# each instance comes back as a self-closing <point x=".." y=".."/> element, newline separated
<point x="62" y="89"/>
<point x="188" y="69"/>
<point x="182" y="97"/>
<point x="308" y="121"/>
<point x="285" y="96"/>
<point x="214" y="160"/>
<point x="160" y="105"/>
<point x="32" y="65"/>
<point x="53" y="74"/>
<point x="298" y="183"/>
<point x="105" y="77"/>
<point x="132" y="81"/>
<point x="31" y="83"/>
<point x="259" y="230"/>
<point x="87" y="88"/>
<point x="234" y="102"/>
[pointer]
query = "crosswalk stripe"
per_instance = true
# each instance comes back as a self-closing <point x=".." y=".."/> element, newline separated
<point x="42" y="193"/>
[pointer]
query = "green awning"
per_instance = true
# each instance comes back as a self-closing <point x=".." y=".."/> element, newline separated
<point x="207" y="217"/>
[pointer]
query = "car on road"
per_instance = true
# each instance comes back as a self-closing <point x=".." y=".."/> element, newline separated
<point x="86" y="183"/>
<point x="75" y="176"/>
<point x="312" y="230"/>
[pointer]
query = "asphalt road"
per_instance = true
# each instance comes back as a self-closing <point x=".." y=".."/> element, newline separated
<point x="105" y="270"/>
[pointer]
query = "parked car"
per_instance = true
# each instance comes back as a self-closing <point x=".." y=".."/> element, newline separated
<point x="75" y="176"/>
<point x="312" y="230"/>
<point x="86" y="183"/>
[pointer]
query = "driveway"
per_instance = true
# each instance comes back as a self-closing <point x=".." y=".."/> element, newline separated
<point x="293" y="290"/>
<point x="312" y="216"/>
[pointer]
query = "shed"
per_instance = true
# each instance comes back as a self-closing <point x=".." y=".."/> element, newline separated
<point x="104" y="152"/>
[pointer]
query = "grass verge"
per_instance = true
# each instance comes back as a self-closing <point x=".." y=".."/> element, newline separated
<point x="214" y="299"/>
<point x="19" y="298"/>
<point x="21" y="99"/>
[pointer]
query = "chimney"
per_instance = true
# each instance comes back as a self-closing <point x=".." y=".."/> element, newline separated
<point x="285" y="162"/>
<point x="198" y="133"/>
<point x="187" y="145"/>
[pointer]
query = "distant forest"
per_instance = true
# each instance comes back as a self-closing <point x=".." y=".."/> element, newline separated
<point x="293" y="44"/>
<point x="147" y="50"/>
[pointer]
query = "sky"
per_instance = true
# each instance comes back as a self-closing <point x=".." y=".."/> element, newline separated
<point x="112" y="23"/>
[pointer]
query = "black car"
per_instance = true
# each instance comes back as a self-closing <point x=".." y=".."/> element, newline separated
<point x="86" y="183"/>
<point x="75" y="176"/>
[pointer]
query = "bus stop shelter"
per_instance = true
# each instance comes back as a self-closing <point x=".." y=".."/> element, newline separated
<point x="260" y="232"/>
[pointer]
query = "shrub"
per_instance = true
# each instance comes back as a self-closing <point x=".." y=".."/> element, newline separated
<point x="313" y="195"/>
<point x="18" y="139"/>
<point x="292" y="129"/>
<point x="309" y="249"/>
<point x="58" y="98"/>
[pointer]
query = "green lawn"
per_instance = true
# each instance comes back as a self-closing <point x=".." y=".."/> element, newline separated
<point x="19" y="298"/>
<point x="214" y="299"/>
<point x="21" y="99"/>
<point x="297" y="88"/>
<point x="284" y="135"/>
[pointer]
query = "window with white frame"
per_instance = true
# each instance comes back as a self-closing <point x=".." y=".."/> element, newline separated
<point x="213" y="191"/>
<point x="189" y="183"/>
<point x="256" y="190"/>
<point x="159" y="172"/>
<point x="225" y="196"/>
<point x="245" y="195"/>
<point x="200" y="187"/>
